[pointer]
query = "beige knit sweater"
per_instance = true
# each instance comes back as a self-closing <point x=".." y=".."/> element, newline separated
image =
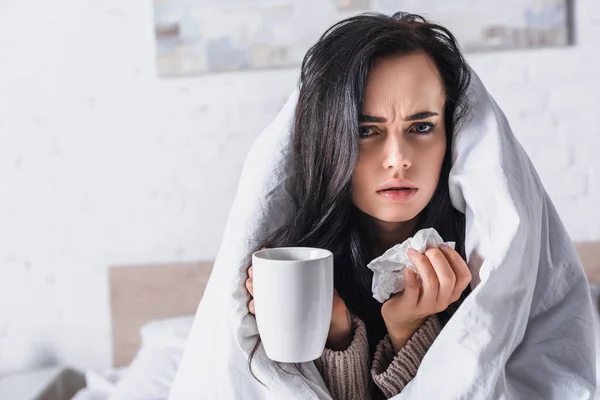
<point x="349" y="374"/>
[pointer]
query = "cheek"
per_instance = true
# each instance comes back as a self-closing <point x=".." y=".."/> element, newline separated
<point x="434" y="160"/>
<point x="439" y="156"/>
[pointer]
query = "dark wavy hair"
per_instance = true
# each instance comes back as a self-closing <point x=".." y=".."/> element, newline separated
<point x="325" y="145"/>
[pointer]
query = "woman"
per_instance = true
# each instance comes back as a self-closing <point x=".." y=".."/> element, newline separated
<point x="380" y="98"/>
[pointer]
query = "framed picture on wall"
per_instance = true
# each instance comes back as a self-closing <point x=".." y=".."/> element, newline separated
<point x="205" y="36"/>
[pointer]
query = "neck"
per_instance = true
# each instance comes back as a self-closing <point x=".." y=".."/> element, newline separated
<point x="389" y="234"/>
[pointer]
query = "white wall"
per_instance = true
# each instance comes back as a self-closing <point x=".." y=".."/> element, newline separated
<point x="101" y="163"/>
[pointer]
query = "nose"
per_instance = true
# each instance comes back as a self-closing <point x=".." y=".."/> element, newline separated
<point x="396" y="153"/>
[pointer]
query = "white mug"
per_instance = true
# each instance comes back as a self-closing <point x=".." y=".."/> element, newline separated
<point x="293" y="300"/>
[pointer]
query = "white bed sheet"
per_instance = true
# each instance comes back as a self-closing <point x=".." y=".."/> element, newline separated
<point x="154" y="367"/>
<point x="100" y="386"/>
<point x="151" y="373"/>
<point x="595" y="290"/>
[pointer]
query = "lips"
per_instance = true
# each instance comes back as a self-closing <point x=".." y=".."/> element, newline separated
<point x="396" y="184"/>
<point x="396" y="188"/>
<point x="398" y="194"/>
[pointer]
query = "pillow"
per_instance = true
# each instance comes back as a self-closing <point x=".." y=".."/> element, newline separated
<point x="18" y="353"/>
<point x="151" y="373"/>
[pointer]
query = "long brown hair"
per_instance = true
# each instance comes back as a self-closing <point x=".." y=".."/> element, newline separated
<point x="325" y="144"/>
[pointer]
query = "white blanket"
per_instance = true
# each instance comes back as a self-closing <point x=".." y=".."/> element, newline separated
<point x="525" y="332"/>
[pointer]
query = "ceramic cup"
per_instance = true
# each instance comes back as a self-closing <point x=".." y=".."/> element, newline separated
<point x="293" y="298"/>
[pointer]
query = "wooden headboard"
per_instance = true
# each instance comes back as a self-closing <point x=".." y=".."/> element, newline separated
<point x="589" y="252"/>
<point x="142" y="293"/>
<point x="139" y="294"/>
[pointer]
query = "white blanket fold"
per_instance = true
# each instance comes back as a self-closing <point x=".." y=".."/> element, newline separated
<point x="525" y="332"/>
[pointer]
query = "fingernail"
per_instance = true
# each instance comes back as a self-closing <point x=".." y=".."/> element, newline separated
<point x="411" y="252"/>
<point x="444" y="247"/>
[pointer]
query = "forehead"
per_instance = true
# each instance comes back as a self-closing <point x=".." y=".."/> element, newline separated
<point x="405" y="83"/>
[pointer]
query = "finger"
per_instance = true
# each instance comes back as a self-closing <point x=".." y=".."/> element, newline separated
<point x="336" y="297"/>
<point x="250" y="272"/>
<point x="338" y="304"/>
<point x="445" y="275"/>
<point x="460" y="268"/>
<point x="429" y="279"/>
<point x="251" y="307"/>
<point x="411" y="287"/>
<point x="250" y="286"/>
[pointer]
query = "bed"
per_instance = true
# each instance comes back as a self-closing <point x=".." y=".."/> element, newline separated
<point x="152" y="308"/>
<point x="143" y="293"/>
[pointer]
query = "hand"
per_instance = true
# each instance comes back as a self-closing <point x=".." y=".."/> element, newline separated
<point x="250" y="289"/>
<point x="340" y="329"/>
<point x="444" y="275"/>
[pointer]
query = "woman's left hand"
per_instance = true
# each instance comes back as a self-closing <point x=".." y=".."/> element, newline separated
<point x="444" y="276"/>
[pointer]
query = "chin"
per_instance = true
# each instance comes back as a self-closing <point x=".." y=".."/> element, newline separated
<point x="394" y="217"/>
<point x="393" y="220"/>
<point x="390" y="214"/>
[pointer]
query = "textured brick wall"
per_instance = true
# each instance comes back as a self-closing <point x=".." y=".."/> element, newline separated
<point x="101" y="163"/>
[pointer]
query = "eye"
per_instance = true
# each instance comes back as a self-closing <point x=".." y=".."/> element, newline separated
<point x="365" y="131"/>
<point x="423" y="127"/>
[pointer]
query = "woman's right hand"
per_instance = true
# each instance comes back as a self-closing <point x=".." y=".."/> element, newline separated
<point x="340" y="329"/>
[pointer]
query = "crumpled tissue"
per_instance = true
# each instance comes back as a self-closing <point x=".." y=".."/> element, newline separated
<point x="388" y="278"/>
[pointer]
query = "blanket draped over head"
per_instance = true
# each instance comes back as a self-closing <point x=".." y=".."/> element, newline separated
<point x="525" y="331"/>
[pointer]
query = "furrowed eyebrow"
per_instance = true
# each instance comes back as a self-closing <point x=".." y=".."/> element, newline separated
<point x="414" y="117"/>
<point x="370" y="118"/>
<point x="422" y="115"/>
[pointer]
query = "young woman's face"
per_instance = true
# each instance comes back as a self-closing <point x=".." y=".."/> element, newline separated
<point x="402" y="138"/>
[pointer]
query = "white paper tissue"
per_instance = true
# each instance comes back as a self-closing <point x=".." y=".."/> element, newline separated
<point x="388" y="278"/>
